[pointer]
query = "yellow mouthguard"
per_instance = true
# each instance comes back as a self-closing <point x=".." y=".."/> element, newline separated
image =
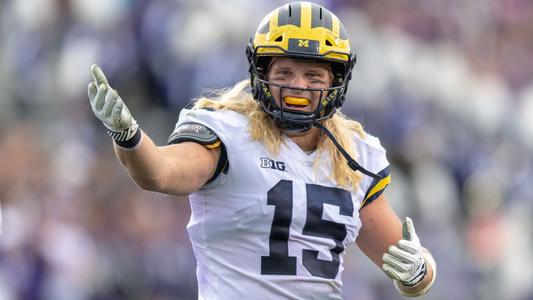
<point x="296" y="101"/>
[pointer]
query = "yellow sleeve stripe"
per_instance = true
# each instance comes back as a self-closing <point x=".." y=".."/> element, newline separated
<point x="214" y="145"/>
<point x="378" y="187"/>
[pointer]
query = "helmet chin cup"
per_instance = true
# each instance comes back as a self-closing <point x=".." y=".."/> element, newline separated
<point x="293" y="121"/>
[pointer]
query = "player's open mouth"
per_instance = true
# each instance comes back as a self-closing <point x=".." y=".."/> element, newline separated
<point x="296" y="102"/>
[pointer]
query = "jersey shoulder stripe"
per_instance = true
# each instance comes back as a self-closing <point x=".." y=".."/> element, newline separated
<point x="377" y="187"/>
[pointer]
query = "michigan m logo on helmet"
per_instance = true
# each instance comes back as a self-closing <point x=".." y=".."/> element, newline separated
<point x="300" y="30"/>
<point x="303" y="43"/>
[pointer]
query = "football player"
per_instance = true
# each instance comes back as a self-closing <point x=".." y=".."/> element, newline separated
<point x="280" y="182"/>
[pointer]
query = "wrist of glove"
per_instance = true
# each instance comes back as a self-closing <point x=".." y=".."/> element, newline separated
<point x="406" y="262"/>
<point x="109" y="108"/>
<point x="128" y="138"/>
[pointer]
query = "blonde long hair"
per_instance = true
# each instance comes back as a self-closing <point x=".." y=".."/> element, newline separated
<point x="262" y="128"/>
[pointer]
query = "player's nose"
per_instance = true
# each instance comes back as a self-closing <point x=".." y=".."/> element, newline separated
<point x="299" y="81"/>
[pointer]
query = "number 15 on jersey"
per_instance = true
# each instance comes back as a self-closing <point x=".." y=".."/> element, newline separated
<point x="278" y="262"/>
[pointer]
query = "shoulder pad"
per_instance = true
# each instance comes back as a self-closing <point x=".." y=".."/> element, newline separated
<point x="194" y="132"/>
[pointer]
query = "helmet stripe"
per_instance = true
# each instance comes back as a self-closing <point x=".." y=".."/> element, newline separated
<point x="289" y="14"/>
<point x="274" y="17"/>
<point x="321" y="17"/>
<point x="306" y="15"/>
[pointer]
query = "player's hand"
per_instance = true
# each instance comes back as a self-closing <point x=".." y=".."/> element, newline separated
<point x="405" y="262"/>
<point x="107" y="105"/>
<point x="109" y="108"/>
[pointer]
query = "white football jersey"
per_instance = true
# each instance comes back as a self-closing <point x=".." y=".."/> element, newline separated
<point x="274" y="227"/>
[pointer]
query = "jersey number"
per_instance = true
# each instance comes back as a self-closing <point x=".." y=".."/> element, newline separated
<point x="278" y="262"/>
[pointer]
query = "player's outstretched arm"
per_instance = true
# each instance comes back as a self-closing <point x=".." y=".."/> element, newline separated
<point x="395" y="247"/>
<point x="178" y="169"/>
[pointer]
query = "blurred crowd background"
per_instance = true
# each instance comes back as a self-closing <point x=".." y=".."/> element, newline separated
<point x="446" y="85"/>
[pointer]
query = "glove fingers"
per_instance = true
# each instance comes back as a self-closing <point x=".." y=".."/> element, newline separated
<point x="395" y="263"/>
<point x="98" y="75"/>
<point x="111" y="100"/>
<point x="401" y="254"/>
<point x="409" y="246"/>
<point x="91" y="91"/>
<point x="391" y="272"/>
<point x="100" y="98"/>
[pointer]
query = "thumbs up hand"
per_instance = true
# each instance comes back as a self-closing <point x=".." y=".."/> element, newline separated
<point x="404" y="262"/>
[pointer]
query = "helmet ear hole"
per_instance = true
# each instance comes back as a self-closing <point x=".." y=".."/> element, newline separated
<point x="279" y="38"/>
<point x="328" y="43"/>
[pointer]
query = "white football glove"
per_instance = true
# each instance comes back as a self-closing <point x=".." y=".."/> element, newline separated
<point x="405" y="262"/>
<point x="109" y="108"/>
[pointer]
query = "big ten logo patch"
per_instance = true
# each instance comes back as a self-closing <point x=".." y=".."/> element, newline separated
<point x="268" y="163"/>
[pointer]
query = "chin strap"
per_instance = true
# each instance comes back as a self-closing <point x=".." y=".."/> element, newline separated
<point x="351" y="162"/>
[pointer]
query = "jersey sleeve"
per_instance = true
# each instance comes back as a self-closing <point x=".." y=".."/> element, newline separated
<point x="213" y="129"/>
<point x="220" y="122"/>
<point x="376" y="162"/>
<point x="197" y="133"/>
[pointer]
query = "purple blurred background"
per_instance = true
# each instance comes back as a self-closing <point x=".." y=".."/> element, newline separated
<point x="446" y="85"/>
